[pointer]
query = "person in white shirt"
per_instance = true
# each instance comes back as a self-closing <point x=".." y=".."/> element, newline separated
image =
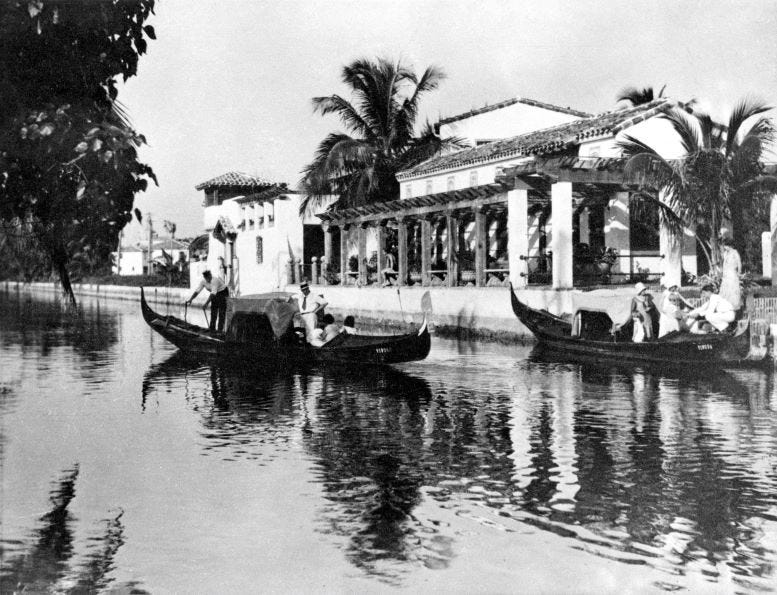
<point x="219" y="292"/>
<point x="309" y="305"/>
<point x="672" y="312"/>
<point x="715" y="310"/>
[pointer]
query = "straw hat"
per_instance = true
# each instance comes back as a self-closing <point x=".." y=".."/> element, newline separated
<point x="640" y="287"/>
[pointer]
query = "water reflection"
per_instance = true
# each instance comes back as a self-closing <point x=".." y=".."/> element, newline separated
<point x="47" y="561"/>
<point x="638" y="463"/>
<point x="672" y="471"/>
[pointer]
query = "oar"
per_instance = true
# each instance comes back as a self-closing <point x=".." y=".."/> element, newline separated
<point x="399" y="296"/>
<point x="185" y="310"/>
<point x="205" y="311"/>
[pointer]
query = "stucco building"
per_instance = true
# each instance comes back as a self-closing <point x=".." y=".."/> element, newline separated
<point x="536" y="199"/>
<point x="256" y="237"/>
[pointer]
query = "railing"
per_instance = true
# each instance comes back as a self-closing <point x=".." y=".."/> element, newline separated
<point x="541" y="273"/>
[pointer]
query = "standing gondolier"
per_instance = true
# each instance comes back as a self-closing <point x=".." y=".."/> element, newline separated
<point x="219" y="292"/>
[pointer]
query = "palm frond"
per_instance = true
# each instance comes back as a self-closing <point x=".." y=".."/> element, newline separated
<point x="348" y="114"/>
<point x="636" y="96"/>
<point x="743" y="111"/>
<point x="686" y="127"/>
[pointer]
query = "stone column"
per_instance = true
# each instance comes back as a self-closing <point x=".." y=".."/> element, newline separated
<point x="314" y="270"/>
<point x="773" y="226"/>
<point x="671" y="248"/>
<point x="452" y="231"/>
<point x="362" y="253"/>
<point x="380" y="237"/>
<point x="344" y="255"/>
<point x="585" y="228"/>
<point x="327" y="246"/>
<point x="481" y="245"/>
<point x="617" y="232"/>
<point x="426" y="250"/>
<point x="561" y="241"/>
<point x="402" y="251"/>
<point x="518" y="236"/>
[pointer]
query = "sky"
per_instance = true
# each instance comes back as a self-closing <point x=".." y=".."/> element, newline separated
<point x="227" y="84"/>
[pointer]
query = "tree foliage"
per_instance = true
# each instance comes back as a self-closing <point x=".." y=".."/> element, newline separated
<point x="69" y="167"/>
<point x="721" y="181"/>
<point x="636" y="96"/>
<point x="360" y="166"/>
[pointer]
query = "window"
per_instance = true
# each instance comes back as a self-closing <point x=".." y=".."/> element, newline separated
<point x="259" y="250"/>
<point x="269" y="212"/>
<point x="250" y="216"/>
<point x="260" y="215"/>
<point x="429" y="186"/>
<point x="408" y="191"/>
<point x="451" y="183"/>
<point x="473" y="178"/>
<point x="243" y="212"/>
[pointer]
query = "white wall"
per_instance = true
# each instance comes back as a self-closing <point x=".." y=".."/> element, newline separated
<point x="283" y="235"/>
<point x="131" y="263"/>
<point x="505" y="122"/>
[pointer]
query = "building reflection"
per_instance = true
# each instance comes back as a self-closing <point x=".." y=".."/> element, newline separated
<point x="669" y="468"/>
<point x="49" y="560"/>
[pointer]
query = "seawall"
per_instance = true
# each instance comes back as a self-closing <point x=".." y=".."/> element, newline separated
<point x="470" y="312"/>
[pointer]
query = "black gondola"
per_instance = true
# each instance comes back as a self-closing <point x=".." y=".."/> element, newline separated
<point x="268" y="336"/>
<point x="597" y="340"/>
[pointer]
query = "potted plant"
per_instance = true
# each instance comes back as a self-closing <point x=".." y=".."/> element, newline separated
<point x="606" y="259"/>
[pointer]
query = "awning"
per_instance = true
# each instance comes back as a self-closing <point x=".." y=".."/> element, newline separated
<point x="224" y="230"/>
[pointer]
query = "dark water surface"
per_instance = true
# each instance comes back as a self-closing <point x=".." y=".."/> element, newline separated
<point x="485" y="468"/>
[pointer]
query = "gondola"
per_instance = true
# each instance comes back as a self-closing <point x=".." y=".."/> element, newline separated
<point x="264" y="333"/>
<point x="596" y="339"/>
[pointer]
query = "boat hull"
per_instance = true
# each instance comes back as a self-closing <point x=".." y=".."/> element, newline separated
<point x="344" y="349"/>
<point x="679" y="349"/>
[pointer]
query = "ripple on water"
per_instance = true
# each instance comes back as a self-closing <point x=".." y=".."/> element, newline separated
<point x="405" y="466"/>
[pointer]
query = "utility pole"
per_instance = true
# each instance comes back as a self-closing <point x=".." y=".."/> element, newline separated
<point x="150" y="243"/>
<point x="118" y="253"/>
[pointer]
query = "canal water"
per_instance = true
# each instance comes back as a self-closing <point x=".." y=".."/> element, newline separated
<point x="485" y="468"/>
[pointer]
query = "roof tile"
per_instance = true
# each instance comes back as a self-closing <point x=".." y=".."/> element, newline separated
<point x="235" y="178"/>
<point x="541" y="142"/>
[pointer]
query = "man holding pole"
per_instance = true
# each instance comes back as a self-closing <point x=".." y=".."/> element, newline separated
<point x="219" y="292"/>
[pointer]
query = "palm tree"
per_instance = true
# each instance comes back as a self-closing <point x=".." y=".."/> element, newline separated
<point x="636" y="96"/>
<point x="360" y="166"/>
<point x="721" y="181"/>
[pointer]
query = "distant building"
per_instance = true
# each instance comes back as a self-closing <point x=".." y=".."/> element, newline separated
<point x="134" y="259"/>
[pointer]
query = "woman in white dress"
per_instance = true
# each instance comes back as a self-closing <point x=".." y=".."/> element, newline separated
<point x="730" y="268"/>
<point x="673" y="310"/>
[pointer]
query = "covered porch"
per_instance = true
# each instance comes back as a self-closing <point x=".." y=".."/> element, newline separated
<point x="558" y="223"/>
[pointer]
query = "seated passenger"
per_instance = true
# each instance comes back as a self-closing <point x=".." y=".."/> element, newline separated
<point x="330" y="328"/>
<point x="389" y="273"/>
<point x="317" y="337"/>
<point x="673" y="312"/>
<point x="348" y="325"/>
<point x="717" y="311"/>
<point x="643" y="304"/>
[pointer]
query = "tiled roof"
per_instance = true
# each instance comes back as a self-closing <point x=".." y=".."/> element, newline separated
<point x="275" y="191"/>
<point x="513" y="101"/>
<point x="395" y="207"/>
<point x="542" y="142"/>
<point x="234" y="178"/>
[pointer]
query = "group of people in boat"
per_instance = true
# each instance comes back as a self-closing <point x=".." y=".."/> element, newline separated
<point x="674" y="314"/>
<point x="319" y="328"/>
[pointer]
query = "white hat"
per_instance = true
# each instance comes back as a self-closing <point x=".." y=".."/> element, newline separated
<point x="639" y="287"/>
